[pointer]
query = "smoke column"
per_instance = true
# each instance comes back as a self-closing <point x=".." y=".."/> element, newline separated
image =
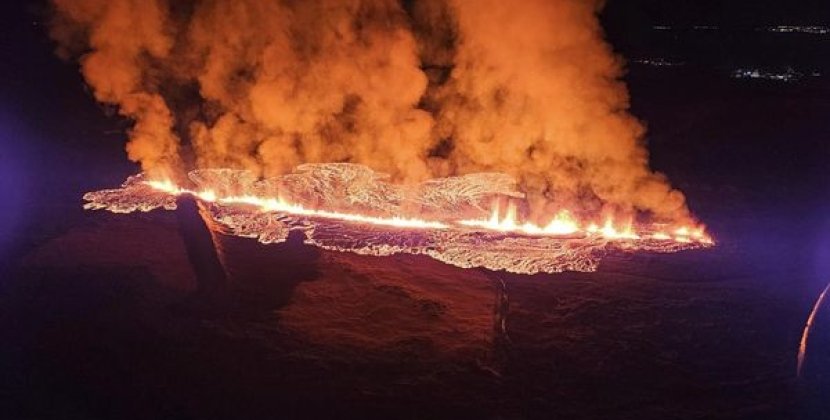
<point x="121" y="41"/>
<point x="535" y="93"/>
<point x="414" y="89"/>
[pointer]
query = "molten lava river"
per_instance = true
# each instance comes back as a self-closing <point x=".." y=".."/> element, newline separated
<point x="467" y="221"/>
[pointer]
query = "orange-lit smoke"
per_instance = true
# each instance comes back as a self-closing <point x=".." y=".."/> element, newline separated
<point x="121" y="40"/>
<point x="535" y="92"/>
<point x="413" y="89"/>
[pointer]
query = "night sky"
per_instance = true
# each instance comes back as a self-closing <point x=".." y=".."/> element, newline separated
<point x="751" y="156"/>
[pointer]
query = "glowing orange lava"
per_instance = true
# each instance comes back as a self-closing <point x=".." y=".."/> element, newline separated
<point x="467" y="221"/>
<point x="563" y="224"/>
<point x="281" y="206"/>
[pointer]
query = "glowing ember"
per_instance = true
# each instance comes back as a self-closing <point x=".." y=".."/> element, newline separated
<point x="348" y="207"/>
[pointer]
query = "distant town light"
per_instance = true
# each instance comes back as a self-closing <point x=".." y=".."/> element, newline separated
<point x="810" y="29"/>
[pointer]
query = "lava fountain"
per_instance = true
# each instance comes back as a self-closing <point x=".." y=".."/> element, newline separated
<point x="468" y="221"/>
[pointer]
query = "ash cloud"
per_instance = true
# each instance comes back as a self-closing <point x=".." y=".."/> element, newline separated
<point x="414" y="89"/>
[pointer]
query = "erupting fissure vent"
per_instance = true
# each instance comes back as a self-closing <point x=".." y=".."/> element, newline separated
<point x="467" y="221"/>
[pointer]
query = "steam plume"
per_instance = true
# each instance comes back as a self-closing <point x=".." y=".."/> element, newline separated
<point x="419" y="89"/>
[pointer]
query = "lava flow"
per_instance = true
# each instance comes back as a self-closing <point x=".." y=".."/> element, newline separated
<point x="347" y="207"/>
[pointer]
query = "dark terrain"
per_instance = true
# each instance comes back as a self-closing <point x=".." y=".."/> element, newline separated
<point x="99" y="317"/>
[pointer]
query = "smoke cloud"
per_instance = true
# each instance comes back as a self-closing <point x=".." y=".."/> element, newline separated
<point x="123" y="39"/>
<point x="415" y="89"/>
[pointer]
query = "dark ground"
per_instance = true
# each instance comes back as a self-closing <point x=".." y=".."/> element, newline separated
<point x="97" y="318"/>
